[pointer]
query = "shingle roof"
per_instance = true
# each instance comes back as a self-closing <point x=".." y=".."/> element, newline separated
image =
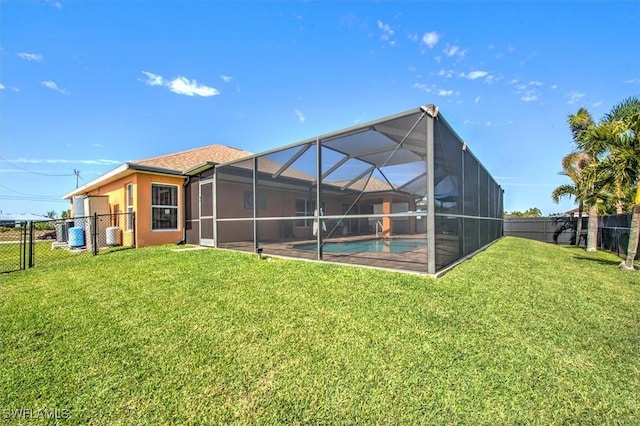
<point x="185" y="160"/>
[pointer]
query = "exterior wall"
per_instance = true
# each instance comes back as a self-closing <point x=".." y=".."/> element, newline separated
<point x="116" y="191"/>
<point x="142" y="182"/>
<point x="280" y="203"/>
<point x="145" y="236"/>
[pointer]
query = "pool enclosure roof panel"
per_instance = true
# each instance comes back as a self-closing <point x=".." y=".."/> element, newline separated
<point x="363" y="158"/>
<point x="391" y="140"/>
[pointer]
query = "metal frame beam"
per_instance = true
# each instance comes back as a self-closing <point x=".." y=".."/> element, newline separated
<point x="292" y="160"/>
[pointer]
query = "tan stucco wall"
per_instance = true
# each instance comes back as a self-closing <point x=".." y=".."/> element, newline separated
<point x="142" y="182"/>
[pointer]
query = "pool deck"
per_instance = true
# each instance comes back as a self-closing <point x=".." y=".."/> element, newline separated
<point x="414" y="260"/>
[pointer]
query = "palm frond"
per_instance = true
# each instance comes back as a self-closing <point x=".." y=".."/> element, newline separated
<point x="623" y="110"/>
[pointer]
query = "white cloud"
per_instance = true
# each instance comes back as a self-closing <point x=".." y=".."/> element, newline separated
<point x="152" y="79"/>
<point x="446" y="73"/>
<point x="554" y="87"/>
<point x="97" y="145"/>
<point x="62" y="161"/>
<point x="184" y="86"/>
<point x="3" y="87"/>
<point x="431" y="39"/>
<point x="386" y="29"/>
<point x="633" y="80"/>
<point x="574" y="97"/>
<point x="450" y="50"/>
<point x="413" y="37"/>
<point x="387" y="33"/>
<point x="226" y="78"/>
<point x="55" y="4"/>
<point x="301" y="116"/>
<point x="477" y="99"/>
<point x="53" y="86"/>
<point x="434" y="90"/>
<point x="31" y="57"/>
<point x="475" y="74"/>
<point x="597" y="104"/>
<point x="492" y="79"/>
<point x="453" y="51"/>
<point x="478" y="123"/>
<point x="180" y="85"/>
<point x="423" y="87"/>
<point x="528" y="92"/>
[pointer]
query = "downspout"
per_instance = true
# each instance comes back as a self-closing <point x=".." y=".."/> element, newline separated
<point x="187" y="181"/>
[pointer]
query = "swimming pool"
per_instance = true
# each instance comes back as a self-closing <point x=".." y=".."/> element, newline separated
<point x="367" y="246"/>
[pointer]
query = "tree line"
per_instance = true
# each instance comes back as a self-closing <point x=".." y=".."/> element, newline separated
<point x="604" y="167"/>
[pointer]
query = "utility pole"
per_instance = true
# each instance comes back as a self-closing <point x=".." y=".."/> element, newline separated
<point x="77" y="173"/>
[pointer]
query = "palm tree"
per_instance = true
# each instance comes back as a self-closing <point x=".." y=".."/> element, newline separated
<point x="581" y="124"/>
<point x="622" y="111"/>
<point x="623" y="166"/>
<point x="572" y="166"/>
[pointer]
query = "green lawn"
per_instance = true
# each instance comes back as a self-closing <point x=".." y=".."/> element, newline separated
<point x="11" y="254"/>
<point x="522" y="333"/>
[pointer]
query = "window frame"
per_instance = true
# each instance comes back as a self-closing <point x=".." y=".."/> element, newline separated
<point x="129" y="201"/>
<point x="175" y="207"/>
<point x="309" y="208"/>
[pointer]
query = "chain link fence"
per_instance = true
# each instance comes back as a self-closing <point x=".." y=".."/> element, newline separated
<point x="36" y="243"/>
<point x="613" y="231"/>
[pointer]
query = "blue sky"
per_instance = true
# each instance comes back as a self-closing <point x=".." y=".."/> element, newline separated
<point x="89" y="85"/>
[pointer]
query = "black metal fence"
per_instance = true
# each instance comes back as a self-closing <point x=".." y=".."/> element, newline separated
<point x="37" y="243"/>
<point x="613" y="231"/>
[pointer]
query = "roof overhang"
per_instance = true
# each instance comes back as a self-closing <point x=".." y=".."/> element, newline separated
<point x="118" y="173"/>
<point x="197" y="169"/>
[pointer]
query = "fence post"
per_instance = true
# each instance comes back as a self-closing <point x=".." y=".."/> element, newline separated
<point x="23" y="248"/>
<point x="133" y="221"/>
<point x="31" y="248"/>
<point x="94" y="235"/>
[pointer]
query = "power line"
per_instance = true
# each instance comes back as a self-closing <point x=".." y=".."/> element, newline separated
<point x="25" y="196"/>
<point x="35" y="173"/>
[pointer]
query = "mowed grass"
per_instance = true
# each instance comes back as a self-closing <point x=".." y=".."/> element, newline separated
<point x="522" y="333"/>
<point x="13" y="254"/>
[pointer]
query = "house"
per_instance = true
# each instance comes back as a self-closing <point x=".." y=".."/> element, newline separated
<point x="153" y="188"/>
<point x="576" y="211"/>
<point x="13" y="220"/>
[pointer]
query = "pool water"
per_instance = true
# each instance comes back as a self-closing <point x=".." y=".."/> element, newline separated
<point x="368" y="246"/>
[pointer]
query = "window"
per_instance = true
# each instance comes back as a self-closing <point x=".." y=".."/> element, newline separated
<point x="129" y="207"/>
<point x="306" y="208"/>
<point x="164" y="207"/>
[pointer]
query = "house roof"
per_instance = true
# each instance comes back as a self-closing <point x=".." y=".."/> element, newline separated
<point x="19" y="217"/>
<point x="576" y="211"/>
<point x="168" y="164"/>
<point x="185" y="160"/>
